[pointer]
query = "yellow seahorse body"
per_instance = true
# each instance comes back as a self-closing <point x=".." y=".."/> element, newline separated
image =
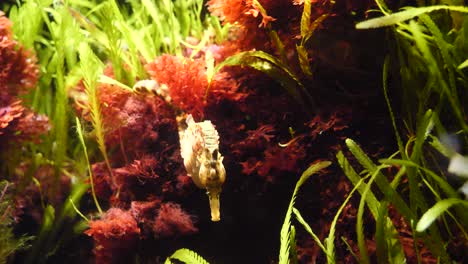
<point x="199" y="145"/>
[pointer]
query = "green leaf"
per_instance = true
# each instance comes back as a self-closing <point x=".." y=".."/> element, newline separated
<point x="443" y="184"/>
<point x="384" y="223"/>
<point x="305" y="18"/>
<point x="402" y="16"/>
<point x="381" y="181"/>
<point x="79" y="131"/>
<point x="307" y="227"/>
<point x="463" y="65"/>
<point x="329" y="241"/>
<point x="312" y="28"/>
<point x="292" y="245"/>
<point x="434" y="212"/>
<point x="354" y="177"/>
<point x="284" y="252"/>
<point x="389" y="249"/>
<point x="108" y="80"/>
<point x="304" y="60"/>
<point x="186" y="256"/>
<point x="274" y="68"/>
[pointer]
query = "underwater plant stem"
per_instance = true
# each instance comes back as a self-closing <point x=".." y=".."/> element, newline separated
<point x="79" y="130"/>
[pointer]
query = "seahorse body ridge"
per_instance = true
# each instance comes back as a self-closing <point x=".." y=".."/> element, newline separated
<point x="199" y="144"/>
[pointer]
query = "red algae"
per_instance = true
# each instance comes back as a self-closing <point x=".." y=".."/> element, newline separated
<point x="115" y="236"/>
<point x="18" y="71"/>
<point x="18" y="74"/>
<point x="52" y="190"/>
<point x="173" y="221"/>
<point x="186" y="80"/>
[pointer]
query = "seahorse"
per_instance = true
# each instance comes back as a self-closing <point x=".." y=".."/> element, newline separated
<point x="199" y="147"/>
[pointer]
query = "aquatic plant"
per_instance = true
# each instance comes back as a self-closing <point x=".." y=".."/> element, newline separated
<point x="115" y="236"/>
<point x="287" y="230"/>
<point x="186" y="256"/>
<point x="119" y="146"/>
<point x="281" y="68"/>
<point x="9" y="244"/>
<point x="414" y="160"/>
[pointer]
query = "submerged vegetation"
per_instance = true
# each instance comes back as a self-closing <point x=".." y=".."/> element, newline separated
<point x="365" y="98"/>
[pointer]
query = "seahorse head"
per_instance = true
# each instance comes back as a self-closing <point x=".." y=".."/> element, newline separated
<point x="212" y="176"/>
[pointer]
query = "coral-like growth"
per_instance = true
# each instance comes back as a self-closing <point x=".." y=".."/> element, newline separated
<point x="5" y="26"/>
<point x="173" y="221"/>
<point x="18" y="74"/>
<point x="251" y="24"/>
<point x="188" y="83"/>
<point x="8" y="114"/>
<point x="115" y="236"/>
<point x="18" y="71"/>
<point x="186" y="80"/>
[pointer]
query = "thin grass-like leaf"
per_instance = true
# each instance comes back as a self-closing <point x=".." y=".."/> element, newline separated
<point x="352" y="175"/>
<point x="108" y="80"/>
<point x="402" y="16"/>
<point x="307" y="227"/>
<point x="79" y="131"/>
<point x="441" y="148"/>
<point x="386" y="69"/>
<point x="350" y="249"/>
<point x="359" y="219"/>
<point x="380" y="234"/>
<point x="434" y="212"/>
<point x="381" y="180"/>
<point x="330" y="240"/>
<point x="374" y="206"/>
<point x="292" y="245"/>
<point x="285" y="229"/>
<point x="443" y="184"/>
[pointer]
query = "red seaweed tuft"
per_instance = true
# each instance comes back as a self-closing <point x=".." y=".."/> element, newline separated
<point x="173" y="221"/>
<point x="18" y="71"/>
<point x="188" y="84"/>
<point x="186" y="80"/>
<point x="115" y="236"/>
<point x="18" y="74"/>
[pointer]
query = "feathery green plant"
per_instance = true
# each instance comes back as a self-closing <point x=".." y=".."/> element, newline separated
<point x="186" y="256"/>
<point x="9" y="244"/>
<point x="91" y="68"/>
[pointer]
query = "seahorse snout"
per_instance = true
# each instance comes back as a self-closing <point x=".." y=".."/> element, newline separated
<point x="214" y="206"/>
